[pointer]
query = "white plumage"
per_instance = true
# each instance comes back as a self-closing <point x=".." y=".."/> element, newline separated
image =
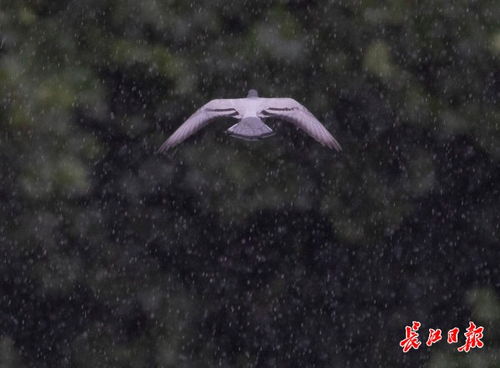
<point x="250" y="111"/>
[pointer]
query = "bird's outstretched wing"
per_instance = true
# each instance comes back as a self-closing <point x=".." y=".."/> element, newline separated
<point x="290" y="110"/>
<point x="212" y="110"/>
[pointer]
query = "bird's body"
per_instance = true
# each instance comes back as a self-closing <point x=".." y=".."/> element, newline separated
<point x="250" y="112"/>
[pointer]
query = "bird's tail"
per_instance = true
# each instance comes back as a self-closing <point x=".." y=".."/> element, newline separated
<point x="251" y="128"/>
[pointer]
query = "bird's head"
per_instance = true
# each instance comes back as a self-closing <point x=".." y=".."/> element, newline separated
<point x="252" y="93"/>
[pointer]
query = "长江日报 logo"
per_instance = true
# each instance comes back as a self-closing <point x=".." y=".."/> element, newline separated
<point x="473" y="337"/>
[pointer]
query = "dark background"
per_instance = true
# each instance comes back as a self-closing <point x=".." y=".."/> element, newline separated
<point x="225" y="253"/>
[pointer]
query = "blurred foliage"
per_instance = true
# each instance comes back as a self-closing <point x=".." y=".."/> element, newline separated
<point x="228" y="253"/>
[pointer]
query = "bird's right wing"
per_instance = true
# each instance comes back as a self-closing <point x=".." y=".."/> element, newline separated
<point x="212" y="110"/>
<point x="290" y="110"/>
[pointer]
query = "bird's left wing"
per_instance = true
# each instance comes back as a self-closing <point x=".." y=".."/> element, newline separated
<point x="290" y="110"/>
<point x="212" y="110"/>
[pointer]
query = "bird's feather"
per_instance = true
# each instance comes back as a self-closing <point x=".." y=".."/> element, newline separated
<point x="291" y="111"/>
<point x="209" y="112"/>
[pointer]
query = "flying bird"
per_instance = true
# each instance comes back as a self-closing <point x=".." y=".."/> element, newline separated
<point x="250" y="112"/>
